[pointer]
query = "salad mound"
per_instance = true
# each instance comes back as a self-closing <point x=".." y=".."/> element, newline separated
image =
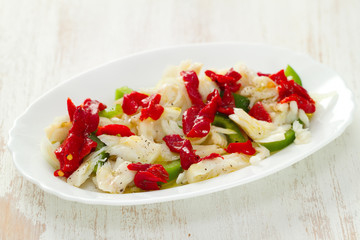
<point x="191" y="127"/>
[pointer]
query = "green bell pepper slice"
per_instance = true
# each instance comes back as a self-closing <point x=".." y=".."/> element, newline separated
<point x="111" y="112"/>
<point x="290" y="72"/>
<point x="241" y="102"/>
<point x="100" y="144"/>
<point x="278" y="145"/>
<point x="117" y="110"/>
<point x="173" y="168"/>
<point x="120" y="92"/>
<point x="224" y="121"/>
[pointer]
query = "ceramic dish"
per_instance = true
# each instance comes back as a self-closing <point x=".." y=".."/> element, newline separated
<point x="143" y="70"/>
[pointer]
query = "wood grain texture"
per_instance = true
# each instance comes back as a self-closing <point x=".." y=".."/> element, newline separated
<point x="45" y="42"/>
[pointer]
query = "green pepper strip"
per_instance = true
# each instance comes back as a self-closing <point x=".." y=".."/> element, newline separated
<point x="173" y="168"/>
<point x="111" y="112"/>
<point x="120" y="92"/>
<point x="289" y="71"/>
<point x="241" y="102"/>
<point x="223" y="121"/>
<point x="278" y="145"/>
<point x="100" y="144"/>
<point x="117" y="110"/>
<point x="103" y="155"/>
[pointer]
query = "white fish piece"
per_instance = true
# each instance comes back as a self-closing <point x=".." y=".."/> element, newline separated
<point x="59" y="129"/>
<point x="47" y="149"/>
<point x="261" y="153"/>
<point x="206" y="150"/>
<point x="85" y="169"/>
<point x="302" y="135"/>
<point x="218" y="139"/>
<point x="254" y="128"/>
<point x="133" y="148"/>
<point x="167" y="155"/>
<point x="207" y="169"/>
<point x="206" y="86"/>
<point x="277" y="134"/>
<point x="304" y="118"/>
<point x="114" y="180"/>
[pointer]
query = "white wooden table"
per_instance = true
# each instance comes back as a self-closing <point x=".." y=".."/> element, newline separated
<point x="45" y="42"/>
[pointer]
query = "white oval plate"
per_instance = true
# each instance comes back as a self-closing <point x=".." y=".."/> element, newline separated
<point x="143" y="70"/>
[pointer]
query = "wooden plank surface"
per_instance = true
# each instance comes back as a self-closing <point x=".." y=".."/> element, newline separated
<point x="45" y="42"/>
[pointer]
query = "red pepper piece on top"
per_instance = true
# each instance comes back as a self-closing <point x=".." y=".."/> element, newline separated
<point x="305" y="104"/>
<point x="187" y="155"/>
<point x="138" y="166"/>
<point x="230" y="79"/>
<point x="196" y="121"/>
<point x="77" y="145"/>
<point x="92" y="108"/>
<point x="188" y="120"/>
<point x="148" y="175"/>
<point x="175" y="143"/>
<point x="227" y="103"/>
<point x="71" y="109"/>
<point x="212" y="156"/>
<point x="191" y="82"/>
<point x="263" y="74"/>
<point x="245" y="147"/>
<point x="71" y="152"/>
<point x="259" y="112"/>
<point x="151" y="107"/>
<point x="184" y="148"/>
<point x="289" y="88"/>
<point x="279" y="77"/>
<point x="228" y="83"/>
<point x="132" y="102"/>
<point x="115" y="129"/>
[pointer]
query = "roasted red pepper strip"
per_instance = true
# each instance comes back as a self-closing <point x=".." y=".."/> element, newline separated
<point x="175" y="142"/>
<point x="132" y="102"/>
<point x="227" y="102"/>
<point x="279" y="77"/>
<point x="212" y="156"/>
<point x="228" y="83"/>
<point x="191" y="82"/>
<point x="77" y="145"/>
<point x="263" y="74"/>
<point x="92" y="108"/>
<point x="148" y="175"/>
<point x="184" y="148"/>
<point x="230" y="79"/>
<point x="152" y="108"/>
<point x="150" y="105"/>
<point x="71" y="109"/>
<point x="115" y="129"/>
<point x="138" y="166"/>
<point x="234" y="84"/>
<point x="187" y="155"/>
<point x="259" y="112"/>
<point x="196" y="121"/>
<point x="305" y="104"/>
<point x="245" y="147"/>
<point x="289" y="88"/>
<point x="188" y="119"/>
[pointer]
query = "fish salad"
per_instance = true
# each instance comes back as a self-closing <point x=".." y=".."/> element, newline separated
<point x="194" y="125"/>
